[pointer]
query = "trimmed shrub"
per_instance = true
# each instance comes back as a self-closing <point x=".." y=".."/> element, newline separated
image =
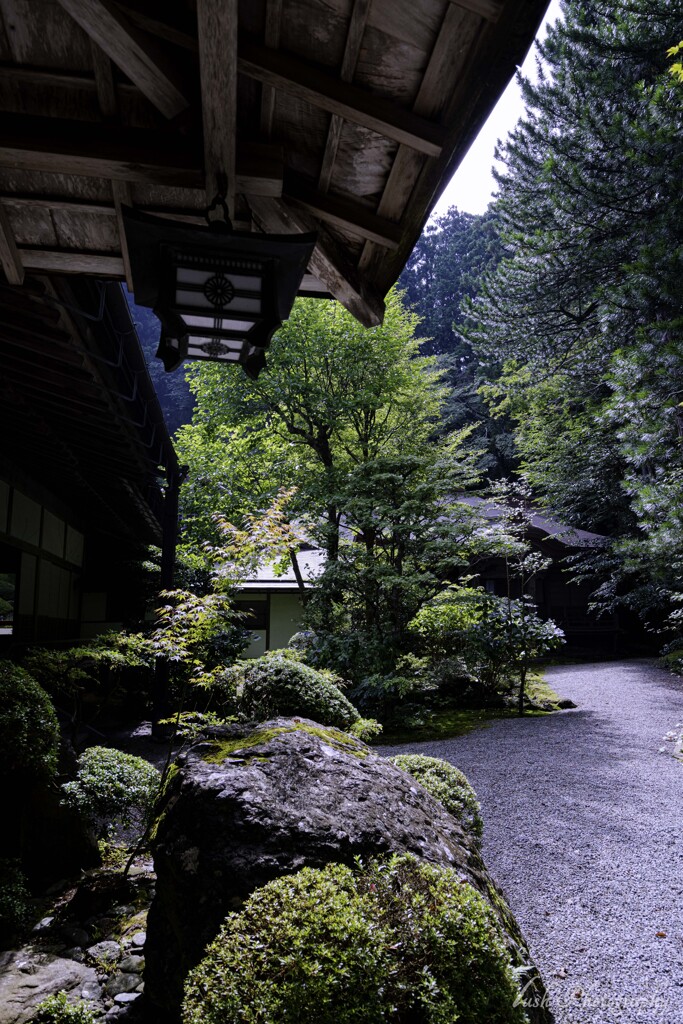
<point x="448" y="785"/>
<point x="14" y="899"/>
<point x="29" y="730"/>
<point x="392" y="941"/>
<point x="58" y="1010"/>
<point x="111" y="786"/>
<point x="279" y="684"/>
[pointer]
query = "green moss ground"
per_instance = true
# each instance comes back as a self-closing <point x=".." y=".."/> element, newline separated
<point x="442" y="724"/>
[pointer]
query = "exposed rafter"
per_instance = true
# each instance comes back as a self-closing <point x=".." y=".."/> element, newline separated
<point x="126" y="154"/>
<point x="135" y="53"/>
<point x="217" y="36"/>
<point x="488" y="9"/>
<point x="354" y="39"/>
<point x="10" y="257"/>
<point x="407" y="163"/>
<point x="307" y="82"/>
<point x="272" y="41"/>
<point x="328" y="264"/>
<point x="343" y="213"/>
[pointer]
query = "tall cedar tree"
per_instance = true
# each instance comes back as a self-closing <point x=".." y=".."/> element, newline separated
<point x="586" y="307"/>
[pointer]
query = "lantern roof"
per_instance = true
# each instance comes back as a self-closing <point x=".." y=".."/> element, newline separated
<point x="343" y="117"/>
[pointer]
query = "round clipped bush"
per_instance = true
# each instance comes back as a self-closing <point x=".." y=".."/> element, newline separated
<point x="392" y="941"/>
<point x="111" y="786"/>
<point x="29" y="730"/>
<point x="277" y="684"/>
<point x="448" y="785"/>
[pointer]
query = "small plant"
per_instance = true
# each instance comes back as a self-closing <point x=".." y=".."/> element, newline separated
<point x="397" y="940"/>
<point x="58" y="1010"/>
<point x="366" y="729"/>
<point x="29" y="731"/>
<point x="15" y="907"/>
<point x="448" y="785"/>
<point x="111" y="786"/>
<point x="279" y="684"/>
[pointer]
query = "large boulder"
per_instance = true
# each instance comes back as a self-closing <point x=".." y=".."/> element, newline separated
<point x="251" y="804"/>
<point x="27" y="977"/>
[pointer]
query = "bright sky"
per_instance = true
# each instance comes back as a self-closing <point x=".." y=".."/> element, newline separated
<point x="472" y="185"/>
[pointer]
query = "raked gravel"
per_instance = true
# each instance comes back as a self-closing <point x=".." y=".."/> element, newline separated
<point x="583" y="829"/>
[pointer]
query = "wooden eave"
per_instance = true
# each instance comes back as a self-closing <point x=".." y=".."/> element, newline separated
<point x="78" y="412"/>
<point x="344" y="116"/>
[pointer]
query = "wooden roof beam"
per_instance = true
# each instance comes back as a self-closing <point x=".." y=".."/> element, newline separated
<point x="217" y="34"/>
<point x="10" y="257"/>
<point x="126" y="154"/>
<point x="354" y="39"/>
<point x="329" y="264"/>
<point x="489" y="9"/>
<point x="309" y="83"/>
<point x="343" y="213"/>
<point x="272" y="41"/>
<point x="137" y="54"/>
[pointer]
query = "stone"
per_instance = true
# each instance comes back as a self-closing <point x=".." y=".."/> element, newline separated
<point x="566" y="703"/>
<point x="252" y="804"/>
<point x="76" y="935"/>
<point x="43" y="925"/>
<point x="127" y="997"/>
<point x="74" y="953"/>
<point x="139" y="938"/>
<point x="132" y="964"/>
<point x="92" y="990"/>
<point x="27" y="978"/>
<point x="105" y="950"/>
<point x="119" y="983"/>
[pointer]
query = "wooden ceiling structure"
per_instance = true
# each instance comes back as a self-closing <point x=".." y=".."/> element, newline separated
<point x="79" y="416"/>
<point x="347" y="117"/>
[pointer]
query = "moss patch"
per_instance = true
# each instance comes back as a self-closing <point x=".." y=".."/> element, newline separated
<point x="227" y="748"/>
<point x="444" y="723"/>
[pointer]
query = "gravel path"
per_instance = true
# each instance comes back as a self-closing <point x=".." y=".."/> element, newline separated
<point x="583" y="828"/>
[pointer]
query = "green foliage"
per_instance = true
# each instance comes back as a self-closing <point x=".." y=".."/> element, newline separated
<point x="15" y="907"/>
<point x="97" y="665"/>
<point x="585" y="308"/>
<point x="393" y="941"/>
<point x="111" y="786"/>
<point x="408" y="534"/>
<point x="192" y="621"/>
<point x="495" y="637"/>
<point x="366" y="729"/>
<point x="448" y="785"/>
<point x="59" y="1010"/>
<point x="335" y="397"/>
<point x="29" y="730"/>
<point x="278" y="684"/>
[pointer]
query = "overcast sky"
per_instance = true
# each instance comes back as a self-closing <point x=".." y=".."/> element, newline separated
<point x="472" y="185"/>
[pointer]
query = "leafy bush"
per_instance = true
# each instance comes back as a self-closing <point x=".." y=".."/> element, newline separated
<point x="278" y="684"/>
<point x="392" y="941"/>
<point x="448" y="785"/>
<point x="111" y="786"/>
<point x="14" y="899"/>
<point x="101" y="663"/>
<point x="58" y="1010"/>
<point x="29" y="731"/>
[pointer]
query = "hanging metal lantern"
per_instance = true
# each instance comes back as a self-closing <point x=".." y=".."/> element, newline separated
<point x="219" y="294"/>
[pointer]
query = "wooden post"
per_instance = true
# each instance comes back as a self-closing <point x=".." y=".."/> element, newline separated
<point x="217" y="35"/>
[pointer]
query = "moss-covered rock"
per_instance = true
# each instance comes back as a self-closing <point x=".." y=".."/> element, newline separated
<point x="394" y="940"/>
<point x="448" y="785"/>
<point x="252" y="804"/>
